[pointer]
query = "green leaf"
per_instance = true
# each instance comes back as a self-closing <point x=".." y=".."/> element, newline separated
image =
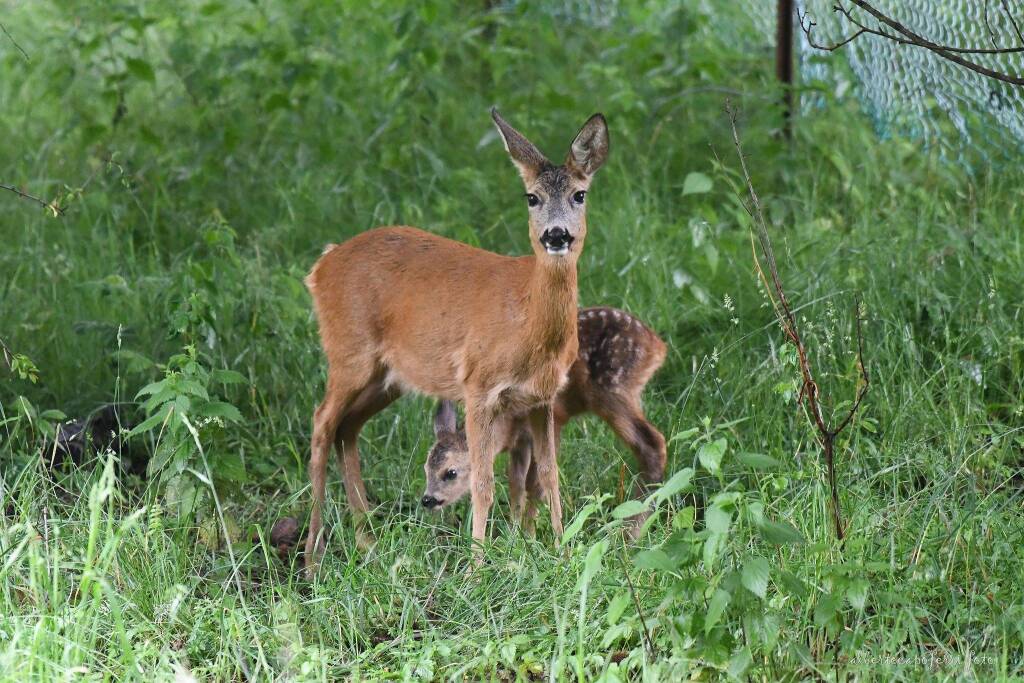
<point x="616" y="607"/>
<point x="141" y="69"/>
<point x="220" y="409"/>
<point x="717" y="520"/>
<point x="629" y="509"/>
<point x="654" y="559"/>
<point x="682" y="436"/>
<point x="679" y="481"/>
<point x="154" y="420"/>
<point x="228" y="377"/>
<point x="857" y="594"/>
<point x="716" y="607"/>
<point x="711" y="453"/>
<point x="152" y="388"/>
<point x="755" y="576"/>
<point x="711" y="253"/>
<point x="592" y="565"/>
<point x="578" y="521"/>
<point x="739" y="663"/>
<point x="758" y="461"/>
<point x="779" y="533"/>
<point x="826" y="609"/>
<point x="696" y="183"/>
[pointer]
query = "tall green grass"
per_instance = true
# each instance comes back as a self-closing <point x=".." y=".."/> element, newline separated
<point x="205" y="154"/>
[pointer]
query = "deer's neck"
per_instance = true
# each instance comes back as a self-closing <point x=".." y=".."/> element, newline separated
<point x="551" y="307"/>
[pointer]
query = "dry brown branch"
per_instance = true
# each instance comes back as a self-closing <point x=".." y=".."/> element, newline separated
<point x="52" y="206"/>
<point x="809" y="395"/>
<point x="899" y="33"/>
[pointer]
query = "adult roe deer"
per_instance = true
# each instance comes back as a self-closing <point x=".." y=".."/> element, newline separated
<point x="400" y="309"/>
<point x="618" y="354"/>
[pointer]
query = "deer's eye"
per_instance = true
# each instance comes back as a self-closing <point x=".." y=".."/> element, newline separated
<point x="532" y="200"/>
<point x="449" y="475"/>
<point x="579" y="196"/>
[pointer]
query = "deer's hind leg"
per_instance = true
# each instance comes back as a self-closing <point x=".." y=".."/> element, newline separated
<point x="374" y="398"/>
<point x="626" y="418"/>
<point x="344" y="385"/>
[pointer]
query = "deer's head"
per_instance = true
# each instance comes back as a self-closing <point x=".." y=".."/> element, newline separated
<point x="556" y="195"/>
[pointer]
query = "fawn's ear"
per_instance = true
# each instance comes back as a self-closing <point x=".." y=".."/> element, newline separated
<point x="589" y="149"/>
<point x="526" y="156"/>
<point x="444" y="418"/>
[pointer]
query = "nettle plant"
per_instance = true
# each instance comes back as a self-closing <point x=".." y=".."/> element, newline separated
<point x="717" y="606"/>
<point x="186" y="420"/>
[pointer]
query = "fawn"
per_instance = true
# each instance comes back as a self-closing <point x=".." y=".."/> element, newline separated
<point x="401" y="310"/>
<point x="618" y="354"/>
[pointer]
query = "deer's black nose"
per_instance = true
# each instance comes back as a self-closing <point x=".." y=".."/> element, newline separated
<point x="556" y="240"/>
<point x="428" y="501"/>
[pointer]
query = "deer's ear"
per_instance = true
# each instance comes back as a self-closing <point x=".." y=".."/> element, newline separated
<point x="525" y="155"/>
<point x="444" y="418"/>
<point x="589" y="149"/>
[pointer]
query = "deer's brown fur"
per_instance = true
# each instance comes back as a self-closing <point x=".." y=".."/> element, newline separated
<point x="403" y="310"/>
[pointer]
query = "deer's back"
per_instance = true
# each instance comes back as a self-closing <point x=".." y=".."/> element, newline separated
<point x="420" y="304"/>
<point x="618" y="354"/>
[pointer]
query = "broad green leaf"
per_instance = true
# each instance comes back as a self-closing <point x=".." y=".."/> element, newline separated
<point x="679" y="481"/>
<point x="154" y="420"/>
<point x="696" y="183"/>
<point x="711" y="453"/>
<point x="826" y="609"/>
<point x="716" y="607"/>
<point x="682" y="436"/>
<point x="151" y="388"/>
<point x="857" y="594"/>
<point x="779" y="533"/>
<point x="755" y="576"/>
<point x="654" y="559"/>
<point x="629" y="509"/>
<point x="739" y="663"/>
<point x="141" y="69"/>
<point x="757" y="460"/>
<point x="221" y="409"/>
<point x="228" y="377"/>
<point x="717" y="520"/>
<point x="685" y="518"/>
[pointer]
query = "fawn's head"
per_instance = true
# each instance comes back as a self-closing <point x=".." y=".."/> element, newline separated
<point x="447" y="465"/>
<point x="556" y="195"/>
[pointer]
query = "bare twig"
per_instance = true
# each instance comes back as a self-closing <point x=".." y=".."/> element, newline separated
<point x="1013" y="22"/>
<point x="809" y="395"/>
<point x="636" y="602"/>
<point x="14" y="42"/>
<point x="52" y="206"/>
<point x="899" y="33"/>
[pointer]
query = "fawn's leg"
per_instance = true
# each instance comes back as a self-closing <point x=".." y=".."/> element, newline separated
<point x="483" y="445"/>
<point x="629" y="423"/>
<point x="370" y="401"/>
<point x="542" y="428"/>
<point x="519" y="465"/>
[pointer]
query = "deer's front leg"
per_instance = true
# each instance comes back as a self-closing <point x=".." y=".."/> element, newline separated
<point x="483" y="443"/>
<point x="542" y="427"/>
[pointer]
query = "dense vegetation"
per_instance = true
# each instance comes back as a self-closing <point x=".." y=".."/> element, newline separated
<point x="204" y="152"/>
